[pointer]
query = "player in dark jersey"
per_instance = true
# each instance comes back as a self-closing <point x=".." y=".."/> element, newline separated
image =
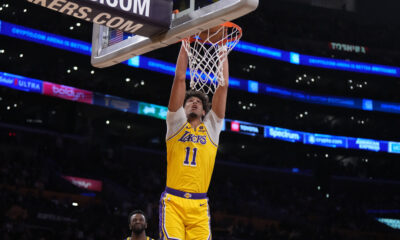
<point x="138" y="226"/>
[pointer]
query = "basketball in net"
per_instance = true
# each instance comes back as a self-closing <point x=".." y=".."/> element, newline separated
<point x="206" y="52"/>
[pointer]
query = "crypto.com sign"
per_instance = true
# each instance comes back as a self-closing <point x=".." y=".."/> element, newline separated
<point x="68" y="93"/>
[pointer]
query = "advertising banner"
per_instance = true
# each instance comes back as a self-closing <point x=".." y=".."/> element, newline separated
<point x="141" y="17"/>
<point x="114" y="102"/>
<point x="283" y="134"/>
<point x="20" y="83"/>
<point x="85" y="183"/>
<point x="325" y="140"/>
<point x="348" y="47"/>
<point x="68" y="93"/>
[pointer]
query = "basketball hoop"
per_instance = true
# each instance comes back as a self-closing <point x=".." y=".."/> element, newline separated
<point x="206" y="52"/>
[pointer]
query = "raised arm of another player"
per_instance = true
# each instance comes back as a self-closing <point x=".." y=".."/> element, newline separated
<point x="220" y="95"/>
<point x="178" y="90"/>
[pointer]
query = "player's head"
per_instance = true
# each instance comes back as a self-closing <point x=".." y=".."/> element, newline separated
<point x="137" y="222"/>
<point x="196" y="104"/>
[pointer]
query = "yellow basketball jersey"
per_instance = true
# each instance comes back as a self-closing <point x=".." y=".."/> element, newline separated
<point x="147" y="238"/>
<point x="190" y="159"/>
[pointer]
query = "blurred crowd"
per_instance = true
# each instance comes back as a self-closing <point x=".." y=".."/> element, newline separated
<point x="246" y="202"/>
<point x="309" y="29"/>
<point x="254" y="193"/>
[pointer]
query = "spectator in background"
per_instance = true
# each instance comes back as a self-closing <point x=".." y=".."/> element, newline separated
<point x="138" y="225"/>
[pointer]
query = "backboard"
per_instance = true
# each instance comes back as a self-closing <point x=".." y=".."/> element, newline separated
<point x="110" y="46"/>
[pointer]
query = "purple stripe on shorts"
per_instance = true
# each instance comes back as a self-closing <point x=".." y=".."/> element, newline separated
<point x="161" y="221"/>
<point x="161" y="217"/>
<point x="186" y="195"/>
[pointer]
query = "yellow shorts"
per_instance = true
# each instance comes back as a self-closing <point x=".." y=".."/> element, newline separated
<point x="184" y="216"/>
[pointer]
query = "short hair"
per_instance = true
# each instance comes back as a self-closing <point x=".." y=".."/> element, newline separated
<point x="202" y="96"/>
<point x="136" y="212"/>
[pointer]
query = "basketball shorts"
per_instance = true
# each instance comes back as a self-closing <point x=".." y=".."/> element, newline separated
<point x="184" y="216"/>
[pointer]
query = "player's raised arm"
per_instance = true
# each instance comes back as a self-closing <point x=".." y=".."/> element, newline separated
<point x="178" y="90"/>
<point x="220" y="95"/>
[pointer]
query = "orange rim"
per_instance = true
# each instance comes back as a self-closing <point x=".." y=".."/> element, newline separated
<point x="228" y="25"/>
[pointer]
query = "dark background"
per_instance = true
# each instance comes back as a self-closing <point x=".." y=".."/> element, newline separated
<point x="337" y="193"/>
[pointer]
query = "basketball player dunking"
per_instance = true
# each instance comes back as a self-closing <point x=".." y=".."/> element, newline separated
<point x="192" y="142"/>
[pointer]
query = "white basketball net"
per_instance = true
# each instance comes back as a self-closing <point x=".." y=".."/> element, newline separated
<point x="207" y="55"/>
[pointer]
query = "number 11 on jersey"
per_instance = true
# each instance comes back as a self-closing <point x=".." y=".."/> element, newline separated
<point x="193" y="162"/>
